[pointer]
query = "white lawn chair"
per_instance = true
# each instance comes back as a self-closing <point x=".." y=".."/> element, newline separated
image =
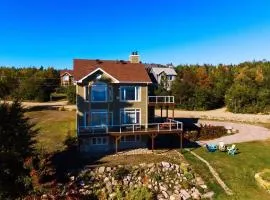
<point x="221" y="146"/>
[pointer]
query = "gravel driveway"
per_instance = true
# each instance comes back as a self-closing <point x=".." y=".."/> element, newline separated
<point x="246" y="133"/>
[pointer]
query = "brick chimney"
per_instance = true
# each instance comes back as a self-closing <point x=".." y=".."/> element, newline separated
<point x="134" y="57"/>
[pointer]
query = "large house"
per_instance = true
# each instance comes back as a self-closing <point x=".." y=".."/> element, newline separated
<point x="66" y="77"/>
<point x="164" y="76"/>
<point x="114" y="106"/>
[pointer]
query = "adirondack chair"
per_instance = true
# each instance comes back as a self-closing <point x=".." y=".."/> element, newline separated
<point x="232" y="150"/>
<point x="221" y="146"/>
<point x="211" y="147"/>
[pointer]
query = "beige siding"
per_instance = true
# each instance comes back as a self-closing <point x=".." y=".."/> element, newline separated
<point x="115" y="105"/>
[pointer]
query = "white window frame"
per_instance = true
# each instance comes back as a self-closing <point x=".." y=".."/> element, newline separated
<point x="85" y="119"/>
<point x="102" y="141"/>
<point x="103" y="111"/>
<point x="86" y="97"/>
<point x="137" y="138"/>
<point x="106" y="93"/>
<point x="136" y="92"/>
<point x="126" y="110"/>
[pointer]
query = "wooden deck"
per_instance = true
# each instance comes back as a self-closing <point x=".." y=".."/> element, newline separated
<point x="152" y="130"/>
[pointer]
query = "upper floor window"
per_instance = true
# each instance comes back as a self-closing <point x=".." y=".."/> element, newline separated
<point x="66" y="78"/>
<point x="170" y="77"/>
<point x="130" y="93"/>
<point x="100" y="92"/>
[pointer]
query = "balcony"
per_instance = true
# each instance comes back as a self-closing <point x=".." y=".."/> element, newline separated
<point x="170" y="126"/>
<point x="161" y="101"/>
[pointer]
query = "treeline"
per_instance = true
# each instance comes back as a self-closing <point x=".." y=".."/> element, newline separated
<point x="242" y="88"/>
<point x="28" y="83"/>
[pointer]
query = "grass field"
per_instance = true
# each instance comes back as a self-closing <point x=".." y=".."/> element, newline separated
<point x="53" y="127"/>
<point x="236" y="171"/>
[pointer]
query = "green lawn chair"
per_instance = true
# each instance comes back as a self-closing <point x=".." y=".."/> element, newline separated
<point x="232" y="150"/>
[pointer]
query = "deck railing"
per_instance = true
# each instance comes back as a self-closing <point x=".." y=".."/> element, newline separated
<point x="161" y="99"/>
<point x="170" y="125"/>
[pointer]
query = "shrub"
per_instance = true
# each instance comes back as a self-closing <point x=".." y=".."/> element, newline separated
<point x="71" y="94"/>
<point x="206" y="132"/>
<point x="120" y="173"/>
<point x="211" y="132"/>
<point x="140" y="193"/>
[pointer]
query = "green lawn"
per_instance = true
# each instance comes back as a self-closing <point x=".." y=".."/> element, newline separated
<point x="53" y="127"/>
<point x="236" y="171"/>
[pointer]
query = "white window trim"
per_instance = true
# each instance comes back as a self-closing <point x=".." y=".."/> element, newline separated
<point x="86" y="87"/>
<point x="85" y="119"/>
<point x="135" y="136"/>
<point x="102" y="111"/>
<point x="124" y="109"/>
<point x="108" y="88"/>
<point x="102" y="144"/>
<point x="139" y="95"/>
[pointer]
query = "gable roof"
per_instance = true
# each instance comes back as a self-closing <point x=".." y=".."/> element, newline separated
<point x="122" y="71"/>
<point x="63" y="72"/>
<point x="166" y="70"/>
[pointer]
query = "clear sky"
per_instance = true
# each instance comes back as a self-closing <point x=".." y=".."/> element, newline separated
<point x="53" y="32"/>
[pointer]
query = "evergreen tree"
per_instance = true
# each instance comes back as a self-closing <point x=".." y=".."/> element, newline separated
<point x="16" y="146"/>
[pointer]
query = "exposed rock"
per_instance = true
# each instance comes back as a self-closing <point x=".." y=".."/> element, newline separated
<point x="185" y="194"/>
<point x="165" y="194"/>
<point x="101" y="170"/>
<point x="165" y="164"/>
<point x="208" y="195"/>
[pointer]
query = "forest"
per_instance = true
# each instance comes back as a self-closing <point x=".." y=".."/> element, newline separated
<point x="242" y="88"/>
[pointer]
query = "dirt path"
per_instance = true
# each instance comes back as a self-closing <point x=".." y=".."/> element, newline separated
<point x="246" y="132"/>
<point x="220" y="114"/>
<point x="49" y="104"/>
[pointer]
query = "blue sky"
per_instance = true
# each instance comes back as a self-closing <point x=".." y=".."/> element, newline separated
<point x="53" y="32"/>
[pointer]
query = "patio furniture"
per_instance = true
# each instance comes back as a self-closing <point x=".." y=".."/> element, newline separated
<point x="221" y="146"/>
<point x="232" y="150"/>
<point x="211" y="147"/>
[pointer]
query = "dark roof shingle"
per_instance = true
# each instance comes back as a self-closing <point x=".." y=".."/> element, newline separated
<point x="123" y="71"/>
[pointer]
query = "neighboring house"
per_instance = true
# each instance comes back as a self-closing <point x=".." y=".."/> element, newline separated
<point x="164" y="76"/>
<point x="113" y="106"/>
<point x="66" y="77"/>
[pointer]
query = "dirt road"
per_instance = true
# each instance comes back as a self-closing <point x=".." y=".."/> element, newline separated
<point x="220" y="114"/>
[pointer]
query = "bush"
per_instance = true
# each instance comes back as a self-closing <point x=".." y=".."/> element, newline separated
<point x="140" y="193"/>
<point x="120" y="173"/>
<point x="71" y="94"/>
<point x="206" y="132"/>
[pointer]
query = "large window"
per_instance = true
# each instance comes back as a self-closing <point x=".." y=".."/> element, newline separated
<point x="130" y="116"/>
<point x="99" y="92"/>
<point x="130" y="93"/>
<point x="98" y="118"/>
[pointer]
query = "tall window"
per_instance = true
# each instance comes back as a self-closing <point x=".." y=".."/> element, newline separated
<point x="99" y="118"/>
<point x="130" y="116"/>
<point x="99" y="92"/>
<point x="130" y="93"/>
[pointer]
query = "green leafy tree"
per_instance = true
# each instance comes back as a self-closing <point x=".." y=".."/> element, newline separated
<point x="16" y="146"/>
<point x="71" y="94"/>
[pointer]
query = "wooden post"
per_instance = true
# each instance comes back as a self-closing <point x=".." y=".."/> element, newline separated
<point x="153" y="142"/>
<point x="161" y="112"/>
<point x="181" y="141"/>
<point x="152" y="137"/>
<point x="117" y="138"/>
<point x="167" y="111"/>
